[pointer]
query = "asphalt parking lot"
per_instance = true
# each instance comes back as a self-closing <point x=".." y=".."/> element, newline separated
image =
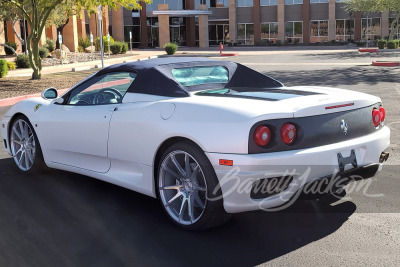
<point x="63" y="219"/>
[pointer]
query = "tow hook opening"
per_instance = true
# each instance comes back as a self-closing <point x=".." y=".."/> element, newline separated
<point x="384" y="157"/>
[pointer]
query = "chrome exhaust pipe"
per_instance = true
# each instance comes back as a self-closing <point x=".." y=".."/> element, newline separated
<point x="384" y="157"/>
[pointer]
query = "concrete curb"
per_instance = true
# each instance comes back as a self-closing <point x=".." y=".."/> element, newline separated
<point x="80" y="68"/>
<point x="385" y="63"/>
<point x="368" y="50"/>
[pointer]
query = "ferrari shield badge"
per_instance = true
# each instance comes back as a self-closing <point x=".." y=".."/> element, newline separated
<point x="37" y="107"/>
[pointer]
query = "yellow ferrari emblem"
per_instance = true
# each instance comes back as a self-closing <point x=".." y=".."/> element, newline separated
<point x="37" y="107"/>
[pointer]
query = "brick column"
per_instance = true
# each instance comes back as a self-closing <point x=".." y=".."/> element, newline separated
<point x="70" y="34"/>
<point x="232" y="21"/>
<point x="306" y="21"/>
<point x="332" y="20"/>
<point x="385" y="26"/>
<point x="118" y="24"/>
<point x="81" y="24"/>
<point x="190" y="26"/>
<point x="203" y="28"/>
<point x="281" y="20"/>
<point x="143" y="26"/>
<point x="12" y="37"/>
<point x="163" y="26"/>
<point x="93" y="25"/>
<point x="2" y="37"/>
<point x="357" y="26"/>
<point x="51" y="32"/>
<point x="106" y="21"/>
<point x="257" y="22"/>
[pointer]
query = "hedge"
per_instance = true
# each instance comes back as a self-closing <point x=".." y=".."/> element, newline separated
<point x="3" y="68"/>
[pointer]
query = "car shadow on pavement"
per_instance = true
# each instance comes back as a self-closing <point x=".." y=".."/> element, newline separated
<point x="65" y="219"/>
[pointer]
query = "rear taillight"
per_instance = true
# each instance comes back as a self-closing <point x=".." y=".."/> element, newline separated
<point x="262" y="135"/>
<point x="383" y="113"/>
<point x="288" y="133"/>
<point x="376" y="117"/>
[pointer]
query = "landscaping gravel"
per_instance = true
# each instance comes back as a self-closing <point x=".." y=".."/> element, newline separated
<point x="79" y="57"/>
<point x="16" y="86"/>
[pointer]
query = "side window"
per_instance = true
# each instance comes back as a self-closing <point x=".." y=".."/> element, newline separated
<point x="107" y="89"/>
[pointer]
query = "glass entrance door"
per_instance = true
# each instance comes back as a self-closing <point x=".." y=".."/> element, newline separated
<point x="175" y="34"/>
<point x="218" y="33"/>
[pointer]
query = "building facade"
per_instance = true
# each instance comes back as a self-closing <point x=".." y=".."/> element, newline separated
<point x="205" y="23"/>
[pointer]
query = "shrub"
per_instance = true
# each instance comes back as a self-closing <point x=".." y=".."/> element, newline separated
<point x="81" y="49"/>
<point x="50" y="44"/>
<point x="382" y="43"/>
<point x="84" y="42"/>
<point x="105" y="43"/>
<point x="11" y="65"/>
<point x="124" y="48"/>
<point x="43" y="52"/>
<point x="22" y="61"/>
<point x="171" y="48"/>
<point x="393" y="44"/>
<point x="8" y="50"/>
<point x="116" y="48"/>
<point x="3" y="68"/>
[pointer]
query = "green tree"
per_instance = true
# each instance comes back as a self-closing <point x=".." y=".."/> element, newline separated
<point x="365" y="6"/>
<point x="42" y="13"/>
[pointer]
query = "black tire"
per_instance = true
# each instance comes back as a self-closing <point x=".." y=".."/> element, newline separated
<point x="38" y="163"/>
<point x="213" y="214"/>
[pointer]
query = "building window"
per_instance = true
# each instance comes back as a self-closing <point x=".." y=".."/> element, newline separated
<point x="268" y="2"/>
<point x="370" y="28"/>
<point x="344" y="30"/>
<point x="152" y="32"/>
<point x="172" y="5"/>
<point x="396" y="34"/>
<point x="293" y="2"/>
<point x="318" y="31"/>
<point x="245" y="33"/>
<point x="134" y="30"/>
<point x="219" y="3"/>
<point x="294" y="31"/>
<point x="177" y="31"/>
<point x="218" y="34"/>
<point x="243" y="3"/>
<point x="269" y="31"/>
<point x="318" y="1"/>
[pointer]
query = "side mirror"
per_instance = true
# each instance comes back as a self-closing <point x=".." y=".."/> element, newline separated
<point x="50" y="93"/>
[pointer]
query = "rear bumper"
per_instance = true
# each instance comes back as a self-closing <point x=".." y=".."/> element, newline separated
<point x="305" y="166"/>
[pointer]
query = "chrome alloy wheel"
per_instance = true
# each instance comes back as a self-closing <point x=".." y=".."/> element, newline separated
<point x="182" y="187"/>
<point x="23" y="146"/>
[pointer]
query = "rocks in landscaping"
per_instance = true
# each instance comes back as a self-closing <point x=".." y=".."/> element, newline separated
<point x="90" y="49"/>
<point x="60" y="54"/>
<point x="65" y="49"/>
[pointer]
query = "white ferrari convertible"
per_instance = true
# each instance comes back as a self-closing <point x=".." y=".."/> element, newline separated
<point x="208" y="138"/>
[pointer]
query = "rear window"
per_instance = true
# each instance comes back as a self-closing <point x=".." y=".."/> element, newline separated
<point x="201" y="75"/>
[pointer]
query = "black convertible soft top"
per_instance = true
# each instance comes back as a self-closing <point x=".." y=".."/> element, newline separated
<point x="154" y="76"/>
